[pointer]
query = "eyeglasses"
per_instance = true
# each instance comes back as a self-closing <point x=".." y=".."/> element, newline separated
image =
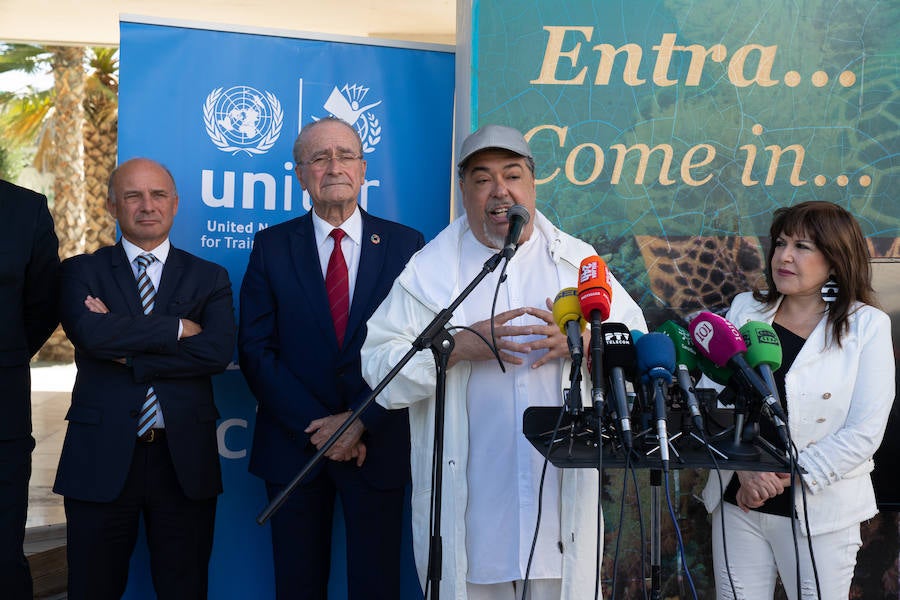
<point x="320" y="163"/>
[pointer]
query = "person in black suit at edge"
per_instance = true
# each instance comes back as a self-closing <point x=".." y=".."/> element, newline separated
<point x="150" y="324"/>
<point x="303" y="321"/>
<point x="29" y="263"/>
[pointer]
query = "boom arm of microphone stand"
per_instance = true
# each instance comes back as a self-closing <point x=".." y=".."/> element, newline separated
<point x="424" y="340"/>
<point x="276" y="503"/>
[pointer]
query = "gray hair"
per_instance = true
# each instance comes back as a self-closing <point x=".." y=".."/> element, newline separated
<point x="298" y="143"/>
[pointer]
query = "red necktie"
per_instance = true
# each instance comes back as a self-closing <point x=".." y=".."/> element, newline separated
<point x="338" y="287"/>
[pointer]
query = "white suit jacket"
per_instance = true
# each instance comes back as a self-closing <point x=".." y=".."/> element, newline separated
<point x="839" y="400"/>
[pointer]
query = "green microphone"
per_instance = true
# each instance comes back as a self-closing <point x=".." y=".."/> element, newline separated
<point x="764" y="354"/>
<point x="763" y="351"/>
<point x="721" y="375"/>
<point x="685" y="361"/>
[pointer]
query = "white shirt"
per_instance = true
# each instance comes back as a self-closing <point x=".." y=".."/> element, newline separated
<point x="154" y="272"/>
<point x="351" y="244"/>
<point x="504" y="468"/>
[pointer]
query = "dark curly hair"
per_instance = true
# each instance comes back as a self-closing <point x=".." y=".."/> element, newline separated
<point x="836" y="233"/>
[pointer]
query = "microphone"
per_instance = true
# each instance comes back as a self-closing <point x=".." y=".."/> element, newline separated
<point x="656" y="362"/>
<point x="763" y="354"/>
<point x="720" y="341"/>
<point x="517" y="216"/>
<point x="685" y="362"/>
<point x="720" y="375"/>
<point x="567" y="314"/>
<point x="594" y="295"/>
<point x="621" y="358"/>
<point x="763" y="351"/>
<point x="594" y="289"/>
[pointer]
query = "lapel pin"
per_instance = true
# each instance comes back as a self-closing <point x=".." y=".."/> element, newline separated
<point x="376" y="239"/>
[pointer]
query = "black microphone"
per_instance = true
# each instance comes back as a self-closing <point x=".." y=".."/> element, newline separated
<point x="621" y="358"/>
<point x="517" y="216"/>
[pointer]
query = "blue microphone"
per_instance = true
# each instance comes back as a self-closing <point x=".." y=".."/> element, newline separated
<point x="656" y="366"/>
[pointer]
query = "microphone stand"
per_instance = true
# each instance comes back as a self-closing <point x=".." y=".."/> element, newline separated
<point x="436" y="337"/>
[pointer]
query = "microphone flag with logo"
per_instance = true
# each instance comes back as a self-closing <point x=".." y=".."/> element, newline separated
<point x="721" y="342"/>
<point x="763" y="351"/>
<point x="620" y="364"/>
<point x="594" y="288"/>
<point x="595" y="295"/>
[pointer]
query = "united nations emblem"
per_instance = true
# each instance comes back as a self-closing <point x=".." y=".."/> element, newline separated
<point x="348" y="104"/>
<point x="242" y="119"/>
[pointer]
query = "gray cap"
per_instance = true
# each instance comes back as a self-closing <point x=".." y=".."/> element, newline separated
<point x="493" y="136"/>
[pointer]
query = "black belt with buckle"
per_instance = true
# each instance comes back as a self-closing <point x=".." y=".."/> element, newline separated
<point x="152" y="436"/>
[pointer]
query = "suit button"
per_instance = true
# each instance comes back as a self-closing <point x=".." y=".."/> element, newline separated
<point x="291" y="436"/>
<point x="826" y="395"/>
<point x="133" y="414"/>
<point x="820" y="420"/>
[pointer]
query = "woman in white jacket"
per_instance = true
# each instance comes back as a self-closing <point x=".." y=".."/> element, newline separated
<point x="837" y="384"/>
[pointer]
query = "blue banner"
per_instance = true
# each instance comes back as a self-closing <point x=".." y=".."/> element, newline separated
<point x="221" y="110"/>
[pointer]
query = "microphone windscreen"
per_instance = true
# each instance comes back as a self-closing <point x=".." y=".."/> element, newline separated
<point x="517" y="211"/>
<point x="655" y="356"/>
<point x="716" y="338"/>
<point x="566" y="308"/>
<point x="721" y="375"/>
<point x="618" y="349"/>
<point x="685" y="354"/>
<point x="594" y="288"/>
<point x="763" y="345"/>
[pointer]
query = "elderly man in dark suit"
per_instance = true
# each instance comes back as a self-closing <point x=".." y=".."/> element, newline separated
<point x="151" y="324"/>
<point x="311" y="284"/>
<point x="28" y="289"/>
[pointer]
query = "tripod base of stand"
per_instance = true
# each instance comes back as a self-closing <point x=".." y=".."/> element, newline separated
<point x="738" y="451"/>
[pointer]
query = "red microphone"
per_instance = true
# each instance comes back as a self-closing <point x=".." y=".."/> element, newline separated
<point x="594" y="288"/>
<point x="594" y="295"/>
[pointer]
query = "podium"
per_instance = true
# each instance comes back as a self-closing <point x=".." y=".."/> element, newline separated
<point x="576" y="445"/>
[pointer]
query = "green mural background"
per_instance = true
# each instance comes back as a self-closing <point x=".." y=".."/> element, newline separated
<point x="684" y="229"/>
<point x="819" y="75"/>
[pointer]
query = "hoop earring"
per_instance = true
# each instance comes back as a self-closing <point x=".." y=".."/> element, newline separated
<point x="830" y="290"/>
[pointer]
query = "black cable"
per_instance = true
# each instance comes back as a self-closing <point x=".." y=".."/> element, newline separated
<point x="493" y="343"/>
<point x="795" y="476"/>
<point x="537" y="526"/>
<point x="643" y="534"/>
<point x="615" y="567"/>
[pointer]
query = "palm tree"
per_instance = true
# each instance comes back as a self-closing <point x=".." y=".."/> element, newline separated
<point x="75" y="127"/>
<point x="101" y="136"/>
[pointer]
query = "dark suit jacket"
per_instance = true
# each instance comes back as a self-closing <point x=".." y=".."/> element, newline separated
<point x="28" y="290"/>
<point x="289" y="353"/>
<point x="107" y="397"/>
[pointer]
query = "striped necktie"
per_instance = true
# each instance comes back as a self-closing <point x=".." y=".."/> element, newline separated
<point x="147" y="292"/>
